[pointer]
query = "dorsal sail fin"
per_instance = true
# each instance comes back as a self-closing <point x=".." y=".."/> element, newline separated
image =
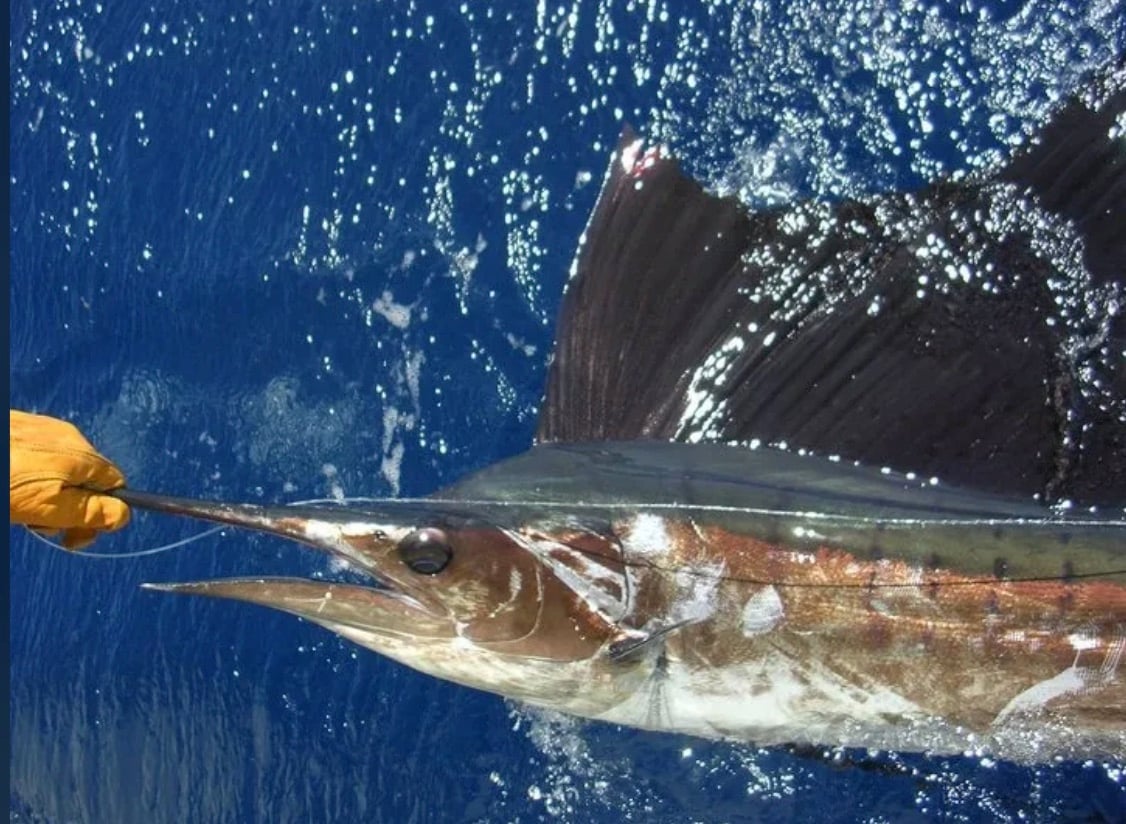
<point x="654" y="285"/>
<point x="954" y="331"/>
<point x="1078" y="171"/>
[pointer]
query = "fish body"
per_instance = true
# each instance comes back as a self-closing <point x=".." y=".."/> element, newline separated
<point x="642" y="565"/>
<point x="733" y="593"/>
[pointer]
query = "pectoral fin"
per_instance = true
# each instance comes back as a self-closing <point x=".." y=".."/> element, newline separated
<point x="632" y="643"/>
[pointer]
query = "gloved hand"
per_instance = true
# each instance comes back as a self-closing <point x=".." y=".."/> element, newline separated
<point x="50" y="460"/>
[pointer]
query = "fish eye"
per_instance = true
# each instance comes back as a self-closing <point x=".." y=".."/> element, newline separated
<point x="426" y="551"/>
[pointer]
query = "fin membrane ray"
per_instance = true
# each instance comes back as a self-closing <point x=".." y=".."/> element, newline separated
<point x="971" y="330"/>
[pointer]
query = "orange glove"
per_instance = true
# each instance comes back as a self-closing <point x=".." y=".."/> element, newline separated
<point x="50" y="461"/>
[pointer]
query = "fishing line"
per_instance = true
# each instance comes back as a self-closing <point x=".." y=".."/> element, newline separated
<point x="962" y="582"/>
<point x="822" y="518"/>
<point x="191" y="539"/>
<point x="866" y="585"/>
<point x="624" y="562"/>
<point x="915" y="522"/>
<point x="1063" y="522"/>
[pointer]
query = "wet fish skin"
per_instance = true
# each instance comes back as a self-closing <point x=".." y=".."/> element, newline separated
<point x="767" y="622"/>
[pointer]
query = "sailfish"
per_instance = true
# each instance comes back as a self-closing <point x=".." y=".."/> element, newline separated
<point x="841" y="474"/>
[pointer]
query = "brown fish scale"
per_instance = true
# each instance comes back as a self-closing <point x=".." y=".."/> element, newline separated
<point x="958" y="647"/>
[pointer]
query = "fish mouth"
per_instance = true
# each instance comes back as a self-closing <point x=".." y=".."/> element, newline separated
<point x="384" y="608"/>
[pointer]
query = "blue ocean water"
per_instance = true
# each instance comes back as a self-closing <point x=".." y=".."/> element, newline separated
<point x="273" y="251"/>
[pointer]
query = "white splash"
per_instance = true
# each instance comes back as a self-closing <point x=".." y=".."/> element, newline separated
<point x="397" y="314"/>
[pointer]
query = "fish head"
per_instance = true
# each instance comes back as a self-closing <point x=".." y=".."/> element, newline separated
<point x="458" y="594"/>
